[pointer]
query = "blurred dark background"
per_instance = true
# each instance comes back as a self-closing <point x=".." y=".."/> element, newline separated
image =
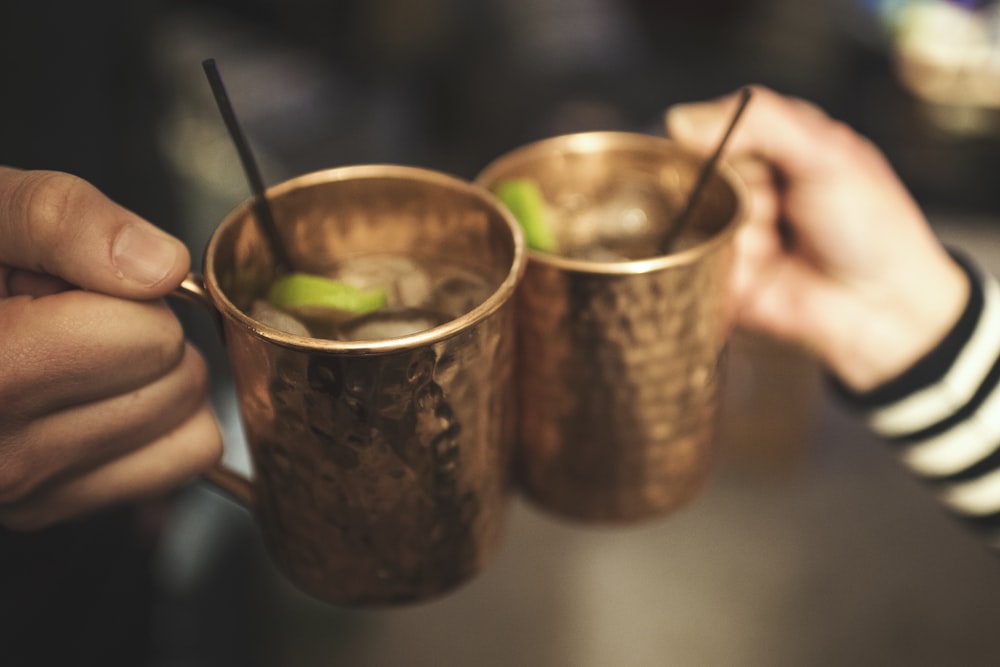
<point x="811" y="548"/>
<point x="100" y="88"/>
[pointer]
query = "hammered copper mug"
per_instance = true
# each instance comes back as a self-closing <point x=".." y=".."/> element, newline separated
<point x="380" y="468"/>
<point x="620" y="363"/>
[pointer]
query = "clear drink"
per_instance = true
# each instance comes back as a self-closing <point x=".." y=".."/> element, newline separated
<point x="625" y="218"/>
<point x="419" y="295"/>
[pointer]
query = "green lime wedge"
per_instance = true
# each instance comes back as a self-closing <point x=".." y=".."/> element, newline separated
<point x="525" y="201"/>
<point x="302" y="290"/>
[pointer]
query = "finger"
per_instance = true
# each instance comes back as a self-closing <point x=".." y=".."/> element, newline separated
<point x="757" y="249"/>
<point x="85" y="436"/>
<point x="30" y="283"/>
<point x="59" y="224"/>
<point x="76" y="347"/>
<point x="164" y="464"/>
<point x="794" y="135"/>
<point x="787" y="300"/>
<point x="758" y="237"/>
<point x="762" y="190"/>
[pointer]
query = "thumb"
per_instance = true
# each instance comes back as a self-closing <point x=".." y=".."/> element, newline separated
<point x="57" y="224"/>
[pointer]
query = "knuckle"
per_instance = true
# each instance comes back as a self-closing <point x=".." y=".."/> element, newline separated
<point x="168" y="344"/>
<point x="759" y="90"/>
<point x="201" y="443"/>
<point x="845" y="143"/>
<point x="199" y="375"/>
<point x="48" y="198"/>
<point x="840" y="135"/>
<point x="844" y="149"/>
<point x="208" y="451"/>
<point x="190" y="381"/>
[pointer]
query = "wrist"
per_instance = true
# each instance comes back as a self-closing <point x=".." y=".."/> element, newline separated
<point x="898" y="327"/>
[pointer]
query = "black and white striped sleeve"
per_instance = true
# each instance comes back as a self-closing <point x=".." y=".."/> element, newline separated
<point x="942" y="416"/>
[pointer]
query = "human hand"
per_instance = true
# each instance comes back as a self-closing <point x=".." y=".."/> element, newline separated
<point x="836" y="255"/>
<point x="101" y="398"/>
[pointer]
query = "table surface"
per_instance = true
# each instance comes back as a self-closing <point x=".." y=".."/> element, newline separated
<point x="810" y="546"/>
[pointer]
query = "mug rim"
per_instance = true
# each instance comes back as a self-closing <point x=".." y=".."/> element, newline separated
<point x="500" y="296"/>
<point x="597" y="141"/>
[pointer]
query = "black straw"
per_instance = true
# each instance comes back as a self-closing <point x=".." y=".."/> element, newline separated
<point x="262" y="208"/>
<point x="666" y="245"/>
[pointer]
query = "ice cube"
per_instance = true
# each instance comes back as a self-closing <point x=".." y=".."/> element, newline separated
<point x="389" y="323"/>
<point x="405" y="283"/>
<point x="265" y="313"/>
<point x="626" y="218"/>
<point x="457" y="292"/>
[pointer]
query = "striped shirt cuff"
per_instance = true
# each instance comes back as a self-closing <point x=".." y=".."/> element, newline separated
<point x="942" y="416"/>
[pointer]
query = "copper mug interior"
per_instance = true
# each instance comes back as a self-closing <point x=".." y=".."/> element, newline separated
<point x="620" y="364"/>
<point x="380" y="468"/>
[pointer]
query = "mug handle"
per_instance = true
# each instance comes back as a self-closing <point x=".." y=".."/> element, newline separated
<point x="230" y="482"/>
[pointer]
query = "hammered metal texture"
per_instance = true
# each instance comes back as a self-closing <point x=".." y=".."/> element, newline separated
<point x="620" y="365"/>
<point x="381" y="470"/>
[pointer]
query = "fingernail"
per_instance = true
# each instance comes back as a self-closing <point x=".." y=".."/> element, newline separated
<point x="143" y="255"/>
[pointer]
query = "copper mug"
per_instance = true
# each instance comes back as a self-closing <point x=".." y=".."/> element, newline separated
<point x="620" y="364"/>
<point x="380" y="468"/>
